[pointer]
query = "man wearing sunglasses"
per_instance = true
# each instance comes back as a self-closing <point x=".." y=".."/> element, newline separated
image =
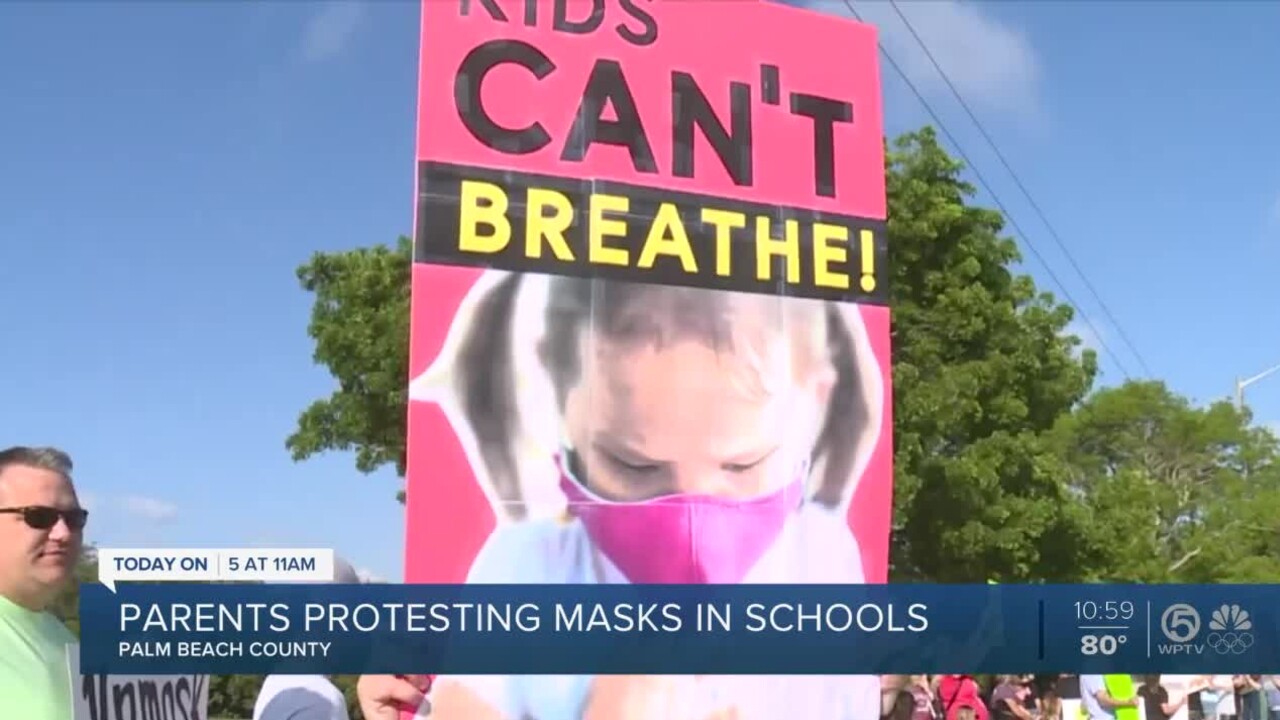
<point x="41" y="535"/>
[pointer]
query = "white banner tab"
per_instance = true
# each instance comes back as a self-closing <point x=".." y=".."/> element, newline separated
<point x="208" y="565"/>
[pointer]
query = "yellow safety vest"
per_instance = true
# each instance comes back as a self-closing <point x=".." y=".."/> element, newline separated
<point x="1121" y="687"/>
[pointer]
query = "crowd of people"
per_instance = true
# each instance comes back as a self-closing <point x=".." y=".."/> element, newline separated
<point x="1081" y="697"/>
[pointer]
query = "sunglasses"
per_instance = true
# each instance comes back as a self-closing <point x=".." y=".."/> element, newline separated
<point x="39" y="517"/>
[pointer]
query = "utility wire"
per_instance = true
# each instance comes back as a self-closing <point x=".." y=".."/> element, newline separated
<point x="1053" y="232"/>
<point x="996" y="198"/>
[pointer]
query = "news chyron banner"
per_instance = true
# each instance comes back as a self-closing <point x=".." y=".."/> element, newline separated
<point x="199" y="629"/>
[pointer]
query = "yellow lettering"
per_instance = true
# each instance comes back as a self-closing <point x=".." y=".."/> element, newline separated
<point x="725" y="222"/>
<point x="541" y="227"/>
<point x="868" y="281"/>
<point x="767" y="247"/>
<point x="482" y="204"/>
<point x="667" y="236"/>
<point x="599" y="227"/>
<point x="825" y="253"/>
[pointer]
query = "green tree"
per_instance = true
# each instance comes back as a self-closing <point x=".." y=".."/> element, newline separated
<point x="360" y="325"/>
<point x="233" y="696"/>
<point x="982" y="370"/>
<point x="1176" y="493"/>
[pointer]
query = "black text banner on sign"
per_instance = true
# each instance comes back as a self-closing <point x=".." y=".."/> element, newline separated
<point x="532" y="223"/>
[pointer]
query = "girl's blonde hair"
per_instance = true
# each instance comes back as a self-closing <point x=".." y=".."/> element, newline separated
<point x="743" y="324"/>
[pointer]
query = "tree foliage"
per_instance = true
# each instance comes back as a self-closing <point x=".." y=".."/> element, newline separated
<point x="1178" y="493"/>
<point x="1006" y="466"/>
<point x="360" y="325"/>
<point x="981" y="368"/>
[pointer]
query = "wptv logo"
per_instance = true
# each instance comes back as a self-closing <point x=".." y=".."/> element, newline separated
<point x="1229" y="632"/>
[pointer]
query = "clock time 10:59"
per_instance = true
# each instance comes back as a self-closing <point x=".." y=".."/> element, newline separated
<point x="1107" y="611"/>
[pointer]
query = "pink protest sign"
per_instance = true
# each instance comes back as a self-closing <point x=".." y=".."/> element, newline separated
<point x="650" y="333"/>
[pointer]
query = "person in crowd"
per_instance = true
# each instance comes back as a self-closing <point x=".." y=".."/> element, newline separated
<point x="1195" y="691"/>
<point x="1097" y="700"/>
<point x="41" y="539"/>
<point x="903" y="706"/>
<point x="1050" y="706"/>
<point x="1248" y="696"/>
<point x="924" y="699"/>
<point x="961" y="695"/>
<point x="1272" y="687"/>
<point x="305" y="697"/>
<point x="1008" y="699"/>
<point x="890" y="687"/>
<point x="1225" y="688"/>
<point x="1067" y="688"/>
<point x="1184" y="692"/>
<point x="1208" y="697"/>
<point x="1155" y="699"/>
<point x="1031" y="692"/>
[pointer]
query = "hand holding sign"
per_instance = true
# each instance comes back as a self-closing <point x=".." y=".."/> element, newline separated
<point x="127" y="697"/>
<point x="391" y="697"/>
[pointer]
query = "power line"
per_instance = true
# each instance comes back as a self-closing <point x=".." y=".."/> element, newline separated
<point x="1053" y="232"/>
<point x="996" y="198"/>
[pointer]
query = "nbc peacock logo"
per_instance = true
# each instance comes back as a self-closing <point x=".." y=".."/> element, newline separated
<point x="1230" y="627"/>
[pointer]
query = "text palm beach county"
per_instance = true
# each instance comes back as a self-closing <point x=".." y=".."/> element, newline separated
<point x="524" y="617"/>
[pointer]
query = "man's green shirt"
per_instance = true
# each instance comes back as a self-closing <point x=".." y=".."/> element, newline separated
<point x="35" y="681"/>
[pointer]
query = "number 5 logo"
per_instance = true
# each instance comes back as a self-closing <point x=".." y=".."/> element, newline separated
<point x="1180" y="622"/>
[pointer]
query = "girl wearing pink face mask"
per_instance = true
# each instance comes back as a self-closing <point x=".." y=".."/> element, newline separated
<point x="704" y="437"/>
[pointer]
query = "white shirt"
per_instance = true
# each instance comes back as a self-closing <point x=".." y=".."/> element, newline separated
<point x="1176" y="687"/>
<point x="299" y="697"/>
<point x="1090" y="686"/>
<point x="1227" y="702"/>
<point x="815" y="546"/>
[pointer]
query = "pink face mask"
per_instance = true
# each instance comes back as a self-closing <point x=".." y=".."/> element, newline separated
<point x="683" y="539"/>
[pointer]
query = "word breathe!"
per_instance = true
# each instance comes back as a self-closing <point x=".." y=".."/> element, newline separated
<point x="529" y="223"/>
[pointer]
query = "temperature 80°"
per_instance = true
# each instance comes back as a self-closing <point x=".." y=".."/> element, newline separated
<point x="1101" y="644"/>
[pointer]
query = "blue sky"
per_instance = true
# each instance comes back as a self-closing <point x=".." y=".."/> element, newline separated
<point x="167" y="166"/>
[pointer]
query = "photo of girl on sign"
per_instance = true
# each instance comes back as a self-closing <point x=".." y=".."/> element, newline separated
<point x="645" y="433"/>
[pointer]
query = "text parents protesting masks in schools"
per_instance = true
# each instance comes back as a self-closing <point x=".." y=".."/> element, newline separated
<point x="41" y="538"/>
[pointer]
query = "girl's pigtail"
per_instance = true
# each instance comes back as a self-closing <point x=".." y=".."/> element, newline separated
<point x="847" y="415"/>
<point x="487" y="387"/>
